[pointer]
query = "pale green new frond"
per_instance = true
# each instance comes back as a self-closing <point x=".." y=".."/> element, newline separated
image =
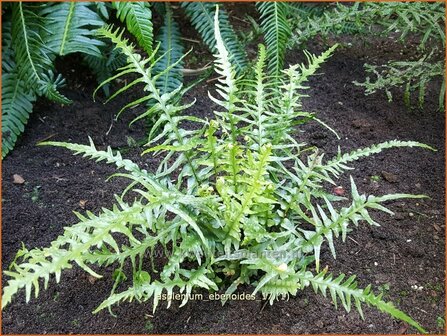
<point x="147" y="290"/>
<point x="91" y="152"/>
<point x="331" y="223"/>
<point x="202" y="16"/>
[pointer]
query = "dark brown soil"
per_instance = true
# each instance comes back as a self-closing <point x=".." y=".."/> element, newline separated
<point x="407" y="250"/>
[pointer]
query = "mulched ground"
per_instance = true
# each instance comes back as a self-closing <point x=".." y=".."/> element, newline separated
<point x="407" y="250"/>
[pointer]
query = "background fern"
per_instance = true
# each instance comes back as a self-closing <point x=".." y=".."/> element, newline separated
<point x="201" y="15"/>
<point x="70" y="28"/>
<point x="170" y="51"/>
<point x="35" y="35"/>
<point x="423" y="20"/>
<point x="138" y="19"/>
<point x="277" y="31"/>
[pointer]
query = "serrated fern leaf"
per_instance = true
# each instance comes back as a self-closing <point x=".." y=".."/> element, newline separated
<point x="72" y="246"/>
<point x="277" y="31"/>
<point x="70" y="28"/>
<point x="145" y="291"/>
<point x="335" y="223"/>
<point x="91" y="152"/>
<point x="202" y="16"/>
<point x="346" y="291"/>
<point x="49" y="85"/>
<point x="17" y="105"/>
<point x="30" y="52"/>
<point x="338" y="164"/>
<point x="138" y="18"/>
<point x="171" y="52"/>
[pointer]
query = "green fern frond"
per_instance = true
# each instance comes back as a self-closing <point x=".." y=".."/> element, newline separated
<point x="105" y="66"/>
<point x="147" y="290"/>
<point x="138" y="18"/>
<point x="347" y="291"/>
<point x="328" y="225"/>
<point x="277" y="32"/>
<point x="338" y="164"/>
<point x="70" y="27"/>
<point x="91" y="152"/>
<point x="171" y="52"/>
<point x="202" y="16"/>
<point x="72" y="246"/>
<point x="30" y="53"/>
<point x="48" y="87"/>
<point x="17" y="105"/>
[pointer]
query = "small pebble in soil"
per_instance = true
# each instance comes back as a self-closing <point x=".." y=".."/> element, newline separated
<point x="17" y="179"/>
<point x="390" y="177"/>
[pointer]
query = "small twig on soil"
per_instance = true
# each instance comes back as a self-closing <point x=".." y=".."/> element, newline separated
<point x="263" y="306"/>
<point x="239" y="19"/>
<point x="354" y="241"/>
<point x="110" y="128"/>
<point x="189" y="40"/>
<point x="422" y="310"/>
<point x="193" y="72"/>
<point x="394" y="259"/>
<point x="46" y="138"/>
<point x="214" y="79"/>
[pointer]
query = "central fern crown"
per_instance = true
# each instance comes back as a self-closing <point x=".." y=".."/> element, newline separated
<point x="236" y="200"/>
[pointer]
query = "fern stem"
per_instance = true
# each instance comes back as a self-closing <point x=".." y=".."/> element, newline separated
<point x="67" y="26"/>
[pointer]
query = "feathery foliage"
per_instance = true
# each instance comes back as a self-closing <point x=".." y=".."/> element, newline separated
<point x="232" y="201"/>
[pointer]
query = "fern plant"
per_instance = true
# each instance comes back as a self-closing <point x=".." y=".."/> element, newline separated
<point x="235" y="200"/>
<point x="33" y="35"/>
<point x="425" y="20"/>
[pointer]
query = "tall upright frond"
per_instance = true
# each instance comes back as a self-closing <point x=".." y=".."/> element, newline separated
<point x="277" y="32"/>
<point x="171" y="52"/>
<point x="202" y="15"/>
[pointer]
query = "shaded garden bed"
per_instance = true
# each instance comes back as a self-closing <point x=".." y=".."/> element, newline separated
<point x="407" y="252"/>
